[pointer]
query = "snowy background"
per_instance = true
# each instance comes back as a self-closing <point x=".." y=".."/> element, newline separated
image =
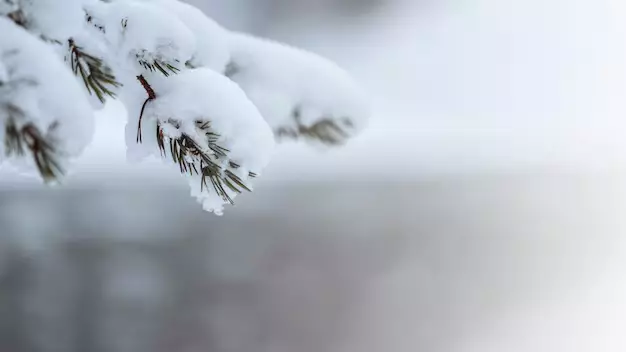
<point x="481" y="211"/>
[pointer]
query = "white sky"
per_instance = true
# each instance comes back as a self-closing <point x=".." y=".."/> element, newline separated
<point x="481" y="84"/>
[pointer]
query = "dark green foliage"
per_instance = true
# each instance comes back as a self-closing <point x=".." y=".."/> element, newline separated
<point x="13" y="143"/>
<point x="158" y="66"/>
<point x="191" y="159"/>
<point x="19" y="140"/>
<point x="95" y="73"/>
<point x="22" y="138"/>
<point x="327" y="131"/>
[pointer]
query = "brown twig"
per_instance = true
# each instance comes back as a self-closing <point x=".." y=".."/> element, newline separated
<point x="151" y="96"/>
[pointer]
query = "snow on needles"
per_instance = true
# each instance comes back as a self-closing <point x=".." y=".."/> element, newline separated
<point x="36" y="88"/>
<point x="295" y="89"/>
<point x="52" y="20"/>
<point x="140" y="32"/>
<point x="204" y="96"/>
<point x="211" y="38"/>
<point x="208" y="99"/>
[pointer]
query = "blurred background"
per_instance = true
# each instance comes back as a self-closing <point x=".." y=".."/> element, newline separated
<point x="481" y="211"/>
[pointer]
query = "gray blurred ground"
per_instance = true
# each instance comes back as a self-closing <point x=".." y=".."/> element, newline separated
<point x="300" y="267"/>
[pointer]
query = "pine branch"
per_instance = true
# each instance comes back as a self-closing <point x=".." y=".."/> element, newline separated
<point x="43" y="153"/>
<point x="192" y="159"/>
<point x="158" y="65"/>
<point x="218" y="150"/>
<point x="13" y="143"/>
<point x="328" y="131"/>
<point x="29" y="138"/>
<point x="96" y="75"/>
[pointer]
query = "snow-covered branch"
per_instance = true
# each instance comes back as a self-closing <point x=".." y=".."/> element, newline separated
<point x="211" y="100"/>
<point x="300" y="95"/>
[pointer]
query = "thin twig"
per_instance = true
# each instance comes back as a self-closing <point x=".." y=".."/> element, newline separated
<point x="151" y="96"/>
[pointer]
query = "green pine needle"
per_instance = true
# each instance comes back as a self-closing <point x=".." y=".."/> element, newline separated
<point x="96" y="75"/>
<point x="29" y="138"/>
<point x="327" y="131"/>
<point x="157" y="65"/>
<point x="191" y="159"/>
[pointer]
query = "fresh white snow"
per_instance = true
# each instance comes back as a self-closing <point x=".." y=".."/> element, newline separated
<point x="281" y="79"/>
<point x="174" y="66"/>
<point x="33" y="80"/>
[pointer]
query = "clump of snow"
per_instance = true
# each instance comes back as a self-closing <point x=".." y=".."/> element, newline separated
<point x="34" y="80"/>
<point x="8" y="6"/>
<point x="211" y="39"/>
<point x="204" y="95"/>
<point x="292" y="87"/>
<point x="48" y="18"/>
<point x="137" y="31"/>
<point x="173" y="66"/>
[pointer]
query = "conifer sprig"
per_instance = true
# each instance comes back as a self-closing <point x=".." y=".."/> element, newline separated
<point x="327" y="131"/>
<point x="96" y="75"/>
<point x="192" y="159"/>
<point x="18" y="140"/>
<point x="157" y="65"/>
